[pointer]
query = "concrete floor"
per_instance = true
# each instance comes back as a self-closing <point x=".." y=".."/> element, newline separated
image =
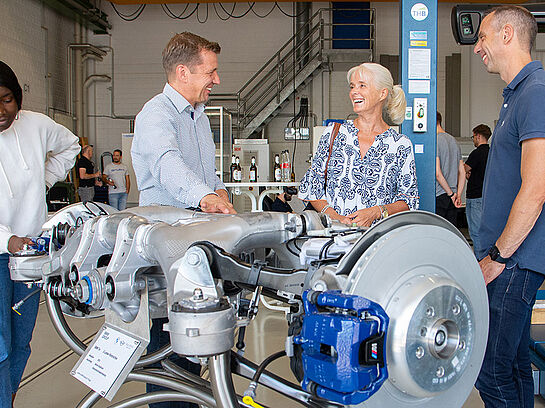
<point x="55" y="388"/>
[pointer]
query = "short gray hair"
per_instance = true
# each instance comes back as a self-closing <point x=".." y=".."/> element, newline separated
<point x="521" y="19"/>
<point x="393" y="110"/>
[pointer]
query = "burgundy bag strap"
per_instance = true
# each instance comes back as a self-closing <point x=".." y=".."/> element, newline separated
<point x="334" y="134"/>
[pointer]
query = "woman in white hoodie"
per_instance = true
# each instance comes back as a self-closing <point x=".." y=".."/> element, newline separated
<point x="36" y="152"/>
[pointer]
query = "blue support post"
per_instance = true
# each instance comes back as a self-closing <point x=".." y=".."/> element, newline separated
<point x="418" y="52"/>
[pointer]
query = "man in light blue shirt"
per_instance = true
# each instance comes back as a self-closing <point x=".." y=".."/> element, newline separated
<point x="173" y="151"/>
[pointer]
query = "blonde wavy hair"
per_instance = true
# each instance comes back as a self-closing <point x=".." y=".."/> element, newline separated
<point x="393" y="110"/>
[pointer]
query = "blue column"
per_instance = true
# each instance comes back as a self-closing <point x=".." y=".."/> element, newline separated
<point x="418" y="59"/>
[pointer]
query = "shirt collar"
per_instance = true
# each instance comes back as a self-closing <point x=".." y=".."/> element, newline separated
<point x="180" y="103"/>
<point x="524" y="72"/>
<point x="354" y="130"/>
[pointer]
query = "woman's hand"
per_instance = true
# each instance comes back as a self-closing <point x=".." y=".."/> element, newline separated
<point x="365" y="217"/>
<point x="16" y="244"/>
<point x="334" y="215"/>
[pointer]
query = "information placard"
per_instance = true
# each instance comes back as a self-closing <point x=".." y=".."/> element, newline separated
<point x="105" y="359"/>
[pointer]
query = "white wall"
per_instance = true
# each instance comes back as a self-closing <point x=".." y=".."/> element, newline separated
<point x="29" y="32"/>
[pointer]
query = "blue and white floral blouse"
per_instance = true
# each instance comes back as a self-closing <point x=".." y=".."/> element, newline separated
<point x="385" y="175"/>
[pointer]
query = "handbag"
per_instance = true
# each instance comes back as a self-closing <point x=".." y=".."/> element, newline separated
<point x="334" y="134"/>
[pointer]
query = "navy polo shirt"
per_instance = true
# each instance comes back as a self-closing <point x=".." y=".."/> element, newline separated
<point x="522" y="117"/>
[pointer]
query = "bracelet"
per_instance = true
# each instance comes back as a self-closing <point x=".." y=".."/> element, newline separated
<point x="451" y="194"/>
<point x="325" y="208"/>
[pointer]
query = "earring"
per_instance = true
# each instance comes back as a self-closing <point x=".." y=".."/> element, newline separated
<point x="17" y="116"/>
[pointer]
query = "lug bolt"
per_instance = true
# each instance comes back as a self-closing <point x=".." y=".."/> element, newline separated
<point x="430" y="312"/>
<point x="420" y="352"/>
<point x="456" y="309"/>
<point x="440" y="372"/>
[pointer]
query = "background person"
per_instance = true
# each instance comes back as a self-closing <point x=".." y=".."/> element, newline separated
<point x="87" y="176"/>
<point x="37" y="153"/>
<point x="371" y="171"/>
<point x="281" y="202"/>
<point x="116" y="176"/>
<point x="475" y="166"/>
<point x="512" y="231"/>
<point x="173" y="150"/>
<point x="450" y="175"/>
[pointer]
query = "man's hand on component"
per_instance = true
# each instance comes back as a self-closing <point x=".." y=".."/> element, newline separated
<point x="212" y="203"/>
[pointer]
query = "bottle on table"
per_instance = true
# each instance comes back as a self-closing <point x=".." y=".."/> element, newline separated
<point x="253" y="171"/>
<point x="286" y="167"/>
<point x="238" y="171"/>
<point x="232" y="169"/>
<point x="277" y="169"/>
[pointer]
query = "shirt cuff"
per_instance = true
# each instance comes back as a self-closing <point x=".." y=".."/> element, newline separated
<point x="49" y="180"/>
<point x="198" y="193"/>
<point x="4" y="240"/>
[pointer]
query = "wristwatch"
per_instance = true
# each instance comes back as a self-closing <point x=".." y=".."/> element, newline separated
<point x="383" y="212"/>
<point x="494" y="254"/>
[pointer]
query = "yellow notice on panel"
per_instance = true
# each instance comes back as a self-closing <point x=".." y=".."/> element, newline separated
<point x="419" y="43"/>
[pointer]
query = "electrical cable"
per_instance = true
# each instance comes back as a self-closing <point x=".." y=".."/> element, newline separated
<point x="250" y="7"/>
<point x="220" y="17"/>
<point x="171" y="14"/>
<point x="291" y="251"/>
<point x="206" y="19"/>
<point x="129" y="17"/>
<point x="91" y="212"/>
<point x="289" y="15"/>
<point x="323" y="251"/>
<point x="294" y="32"/>
<point x="266" y="14"/>
<point x="135" y="14"/>
<point x="17" y="305"/>
<point x="265" y="363"/>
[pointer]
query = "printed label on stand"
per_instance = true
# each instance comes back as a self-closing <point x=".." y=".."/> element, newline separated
<point x="105" y="359"/>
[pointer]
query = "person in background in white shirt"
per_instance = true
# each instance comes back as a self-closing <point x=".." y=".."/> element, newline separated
<point x="116" y="176"/>
<point x="36" y="153"/>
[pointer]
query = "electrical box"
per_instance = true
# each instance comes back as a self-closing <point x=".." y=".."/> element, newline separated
<point x="420" y="114"/>
<point x="297" y="133"/>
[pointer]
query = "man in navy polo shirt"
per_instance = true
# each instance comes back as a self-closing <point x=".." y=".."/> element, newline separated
<point x="512" y="233"/>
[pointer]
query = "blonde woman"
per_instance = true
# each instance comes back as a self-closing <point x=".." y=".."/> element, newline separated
<point x="365" y="171"/>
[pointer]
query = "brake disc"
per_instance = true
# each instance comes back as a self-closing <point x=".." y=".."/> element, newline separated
<point x="430" y="284"/>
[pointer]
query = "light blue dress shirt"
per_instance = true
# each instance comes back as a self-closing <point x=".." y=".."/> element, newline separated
<point x="173" y="152"/>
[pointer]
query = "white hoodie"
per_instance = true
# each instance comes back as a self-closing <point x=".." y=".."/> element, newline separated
<point x="35" y="152"/>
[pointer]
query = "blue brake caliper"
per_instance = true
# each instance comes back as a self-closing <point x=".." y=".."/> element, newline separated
<point x="342" y="338"/>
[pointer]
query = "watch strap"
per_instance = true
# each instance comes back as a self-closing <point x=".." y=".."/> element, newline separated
<point x="494" y="254"/>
